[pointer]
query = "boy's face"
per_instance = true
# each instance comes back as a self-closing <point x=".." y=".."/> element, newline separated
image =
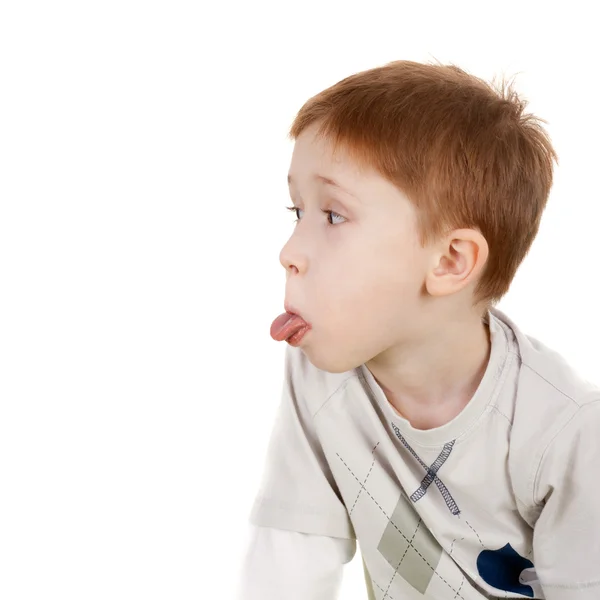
<point x="358" y="282"/>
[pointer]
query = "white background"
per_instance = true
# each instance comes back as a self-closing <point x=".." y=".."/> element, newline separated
<point x="143" y="163"/>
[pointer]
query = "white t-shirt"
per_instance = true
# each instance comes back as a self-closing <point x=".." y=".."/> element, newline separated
<point x="499" y="502"/>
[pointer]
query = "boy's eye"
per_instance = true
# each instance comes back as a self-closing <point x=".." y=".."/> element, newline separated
<point x="330" y="215"/>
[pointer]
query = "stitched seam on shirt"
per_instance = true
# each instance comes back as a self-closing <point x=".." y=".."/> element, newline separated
<point x="343" y="384"/>
<point x="494" y="407"/>
<point x="523" y="364"/>
<point x="547" y="448"/>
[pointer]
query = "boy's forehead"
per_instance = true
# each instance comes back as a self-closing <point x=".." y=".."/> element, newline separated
<point x="313" y="162"/>
<point x="325" y="180"/>
<point x="314" y="166"/>
<point x="318" y="151"/>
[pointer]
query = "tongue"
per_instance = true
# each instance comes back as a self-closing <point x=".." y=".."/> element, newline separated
<point x="286" y="325"/>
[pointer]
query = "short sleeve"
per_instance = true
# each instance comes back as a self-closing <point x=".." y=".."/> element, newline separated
<point x="566" y="540"/>
<point x="298" y="491"/>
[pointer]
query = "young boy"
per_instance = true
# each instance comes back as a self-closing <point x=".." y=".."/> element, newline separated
<point x="416" y="418"/>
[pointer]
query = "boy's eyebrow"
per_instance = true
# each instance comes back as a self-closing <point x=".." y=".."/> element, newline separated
<point x="327" y="181"/>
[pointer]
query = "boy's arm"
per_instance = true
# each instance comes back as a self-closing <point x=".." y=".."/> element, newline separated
<point x="298" y="491"/>
<point x="566" y="540"/>
<point x="296" y="566"/>
<point x="302" y="533"/>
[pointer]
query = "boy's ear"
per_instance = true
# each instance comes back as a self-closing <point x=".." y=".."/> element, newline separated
<point x="457" y="262"/>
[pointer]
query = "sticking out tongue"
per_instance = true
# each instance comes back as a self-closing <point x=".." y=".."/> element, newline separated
<point x="286" y="325"/>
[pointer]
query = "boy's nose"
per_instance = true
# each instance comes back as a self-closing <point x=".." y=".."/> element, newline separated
<point x="289" y="264"/>
<point x="292" y="258"/>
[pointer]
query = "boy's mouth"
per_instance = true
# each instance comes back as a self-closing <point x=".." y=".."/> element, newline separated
<point x="289" y="325"/>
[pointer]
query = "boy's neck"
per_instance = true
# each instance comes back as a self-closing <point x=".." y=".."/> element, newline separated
<point x="430" y="384"/>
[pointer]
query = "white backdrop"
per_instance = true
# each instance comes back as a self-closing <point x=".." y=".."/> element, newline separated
<point x="143" y="163"/>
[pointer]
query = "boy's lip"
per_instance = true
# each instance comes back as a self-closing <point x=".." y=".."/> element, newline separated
<point x="291" y="310"/>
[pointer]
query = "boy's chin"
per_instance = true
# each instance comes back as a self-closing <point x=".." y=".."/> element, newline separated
<point x="330" y="361"/>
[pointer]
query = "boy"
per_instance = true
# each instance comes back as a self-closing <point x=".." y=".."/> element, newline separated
<point x="416" y="418"/>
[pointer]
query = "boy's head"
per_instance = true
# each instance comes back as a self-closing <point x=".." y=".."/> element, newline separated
<point x="446" y="181"/>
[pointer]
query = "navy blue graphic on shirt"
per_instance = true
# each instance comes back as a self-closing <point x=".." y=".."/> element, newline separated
<point x="432" y="473"/>
<point x="502" y="568"/>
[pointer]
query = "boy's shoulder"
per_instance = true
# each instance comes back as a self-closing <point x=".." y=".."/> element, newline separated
<point x="553" y="407"/>
<point x="546" y="377"/>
